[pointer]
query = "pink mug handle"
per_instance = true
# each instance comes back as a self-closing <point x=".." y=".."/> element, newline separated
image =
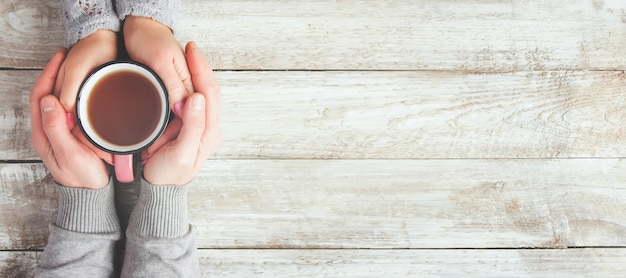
<point x="123" y="167"/>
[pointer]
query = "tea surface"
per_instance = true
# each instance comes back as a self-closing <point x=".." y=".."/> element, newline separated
<point x="124" y="108"/>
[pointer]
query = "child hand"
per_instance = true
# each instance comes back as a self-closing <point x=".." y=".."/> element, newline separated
<point x="153" y="44"/>
<point x="178" y="161"/>
<point x="87" y="54"/>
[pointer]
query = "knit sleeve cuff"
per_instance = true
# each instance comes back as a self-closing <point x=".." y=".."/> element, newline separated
<point x="87" y="210"/>
<point x="84" y="17"/>
<point x="162" y="11"/>
<point x="161" y="211"/>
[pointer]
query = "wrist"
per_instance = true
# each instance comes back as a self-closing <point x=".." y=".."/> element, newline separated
<point x="162" y="11"/>
<point x="103" y="41"/>
<point x="156" y="178"/>
<point x="143" y="24"/>
<point x="95" y="181"/>
<point x="80" y="23"/>
<point x="87" y="210"/>
<point x="102" y="35"/>
<point x="161" y="211"/>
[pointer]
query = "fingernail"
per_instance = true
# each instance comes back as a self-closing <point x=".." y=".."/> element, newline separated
<point x="145" y="160"/>
<point x="71" y="120"/>
<point x="47" y="104"/>
<point x="197" y="103"/>
<point x="192" y="45"/>
<point x="178" y="108"/>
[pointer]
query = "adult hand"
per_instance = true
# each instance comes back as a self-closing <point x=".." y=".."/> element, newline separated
<point x="177" y="162"/>
<point x="153" y="44"/>
<point x="70" y="162"/>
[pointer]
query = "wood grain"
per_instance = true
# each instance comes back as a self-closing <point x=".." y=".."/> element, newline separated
<point x="20" y="264"/>
<point x="468" y="36"/>
<point x="28" y="205"/>
<point x="590" y="262"/>
<point x="376" y="138"/>
<point x="414" y="263"/>
<point x="371" y="204"/>
<point x="33" y="30"/>
<point x="392" y="115"/>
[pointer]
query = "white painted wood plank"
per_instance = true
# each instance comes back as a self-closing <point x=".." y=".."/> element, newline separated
<point x="470" y="36"/>
<point x="595" y="262"/>
<point x="371" y="204"/>
<point x="411" y="203"/>
<point x="392" y="115"/>
<point x="482" y="36"/>
<point x="414" y="263"/>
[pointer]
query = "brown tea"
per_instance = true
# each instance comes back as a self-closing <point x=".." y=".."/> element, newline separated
<point x="124" y="108"/>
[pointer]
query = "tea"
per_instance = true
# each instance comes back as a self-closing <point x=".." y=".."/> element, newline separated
<point x="124" y="108"/>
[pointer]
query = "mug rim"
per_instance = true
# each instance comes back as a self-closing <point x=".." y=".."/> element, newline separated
<point x="160" y="88"/>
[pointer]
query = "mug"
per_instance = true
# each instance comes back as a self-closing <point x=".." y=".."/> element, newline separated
<point x="122" y="107"/>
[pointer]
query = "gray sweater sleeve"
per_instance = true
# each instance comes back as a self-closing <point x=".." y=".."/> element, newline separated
<point x="159" y="238"/>
<point x="82" y="241"/>
<point x="163" y="11"/>
<point x="83" y="238"/>
<point x="83" y="17"/>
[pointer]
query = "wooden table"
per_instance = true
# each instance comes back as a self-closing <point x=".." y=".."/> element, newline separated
<point x="377" y="138"/>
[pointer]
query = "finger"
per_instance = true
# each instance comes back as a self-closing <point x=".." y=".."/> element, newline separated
<point x="107" y="157"/>
<point x="202" y="75"/>
<point x="58" y="85"/>
<point x="67" y="151"/>
<point x="71" y="120"/>
<point x="188" y="142"/>
<point x="62" y="142"/>
<point x="173" y="84"/>
<point x="45" y="83"/>
<point x="40" y="142"/>
<point x="205" y="82"/>
<point x="54" y="123"/>
<point x="73" y="76"/>
<point x="212" y="134"/>
<point x="43" y="87"/>
<point x="43" y="148"/>
<point x="213" y="108"/>
<point x="183" y="72"/>
<point x="171" y="132"/>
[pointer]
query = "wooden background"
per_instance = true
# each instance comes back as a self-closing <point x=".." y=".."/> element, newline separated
<point x="377" y="138"/>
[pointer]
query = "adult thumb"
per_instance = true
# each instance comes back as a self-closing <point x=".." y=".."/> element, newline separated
<point x="54" y="121"/>
<point x="190" y="136"/>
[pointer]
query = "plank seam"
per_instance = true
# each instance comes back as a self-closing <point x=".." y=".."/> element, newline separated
<point x="373" y="159"/>
<point x="433" y="249"/>
<point x="379" y="249"/>
<point x="463" y="72"/>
